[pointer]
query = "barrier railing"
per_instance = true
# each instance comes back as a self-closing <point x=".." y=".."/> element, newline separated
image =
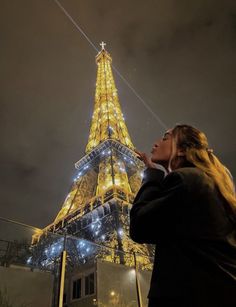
<point x="63" y="270"/>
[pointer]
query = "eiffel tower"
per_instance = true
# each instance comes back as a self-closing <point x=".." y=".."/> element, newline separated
<point x="108" y="177"/>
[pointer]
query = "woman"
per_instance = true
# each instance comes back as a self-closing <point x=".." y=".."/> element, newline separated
<point x="186" y="206"/>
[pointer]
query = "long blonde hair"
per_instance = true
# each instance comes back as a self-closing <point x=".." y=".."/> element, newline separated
<point x="194" y="144"/>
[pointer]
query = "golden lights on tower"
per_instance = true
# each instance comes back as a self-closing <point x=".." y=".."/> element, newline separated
<point x="107" y="120"/>
<point x="109" y="176"/>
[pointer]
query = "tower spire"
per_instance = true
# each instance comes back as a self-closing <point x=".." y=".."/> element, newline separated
<point x="107" y="120"/>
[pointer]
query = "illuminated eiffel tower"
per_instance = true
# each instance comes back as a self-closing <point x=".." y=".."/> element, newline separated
<point x="108" y="176"/>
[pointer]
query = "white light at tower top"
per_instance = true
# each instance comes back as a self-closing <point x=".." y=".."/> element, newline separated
<point x="102" y="44"/>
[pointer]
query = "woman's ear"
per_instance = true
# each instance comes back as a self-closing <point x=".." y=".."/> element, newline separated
<point x="180" y="153"/>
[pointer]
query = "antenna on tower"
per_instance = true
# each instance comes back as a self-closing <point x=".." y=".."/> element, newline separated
<point x="102" y="44"/>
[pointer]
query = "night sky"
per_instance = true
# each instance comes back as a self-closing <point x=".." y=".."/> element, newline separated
<point x="178" y="55"/>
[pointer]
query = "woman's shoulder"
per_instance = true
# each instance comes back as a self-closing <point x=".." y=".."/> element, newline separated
<point x="191" y="175"/>
<point x="188" y="171"/>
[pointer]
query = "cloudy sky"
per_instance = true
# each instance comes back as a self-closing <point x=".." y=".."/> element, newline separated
<point x="179" y="55"/>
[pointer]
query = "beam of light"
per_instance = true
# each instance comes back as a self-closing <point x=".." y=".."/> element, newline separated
<point x="76" y="25"/>
<point x="141" y="99"/>
<point x="163" y="125"/>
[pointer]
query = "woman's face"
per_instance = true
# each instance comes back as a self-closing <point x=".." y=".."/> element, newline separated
<point x="162" y="149"/>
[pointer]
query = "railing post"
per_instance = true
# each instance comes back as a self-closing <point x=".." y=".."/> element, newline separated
<point x="139" y="296"/>
<point x="62" y="273"/>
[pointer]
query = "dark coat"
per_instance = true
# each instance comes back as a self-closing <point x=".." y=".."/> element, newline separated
<point x="187" y="219"/>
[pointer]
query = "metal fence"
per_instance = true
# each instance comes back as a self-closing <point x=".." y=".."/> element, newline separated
<point x="62" y="270"/>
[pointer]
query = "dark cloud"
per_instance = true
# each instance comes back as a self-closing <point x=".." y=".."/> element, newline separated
<point x="178" y="55"/>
